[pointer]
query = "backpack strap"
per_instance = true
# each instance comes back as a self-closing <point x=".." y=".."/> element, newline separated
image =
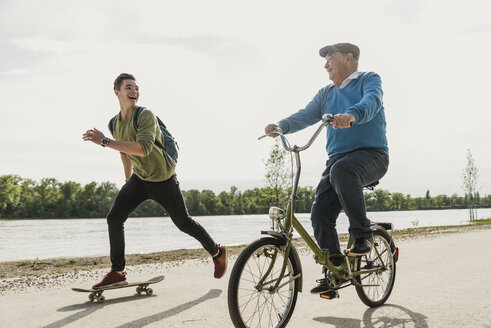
<point x="161" y="124"/>
<point x="136" y="114"/>
<point x="111" y="125"/>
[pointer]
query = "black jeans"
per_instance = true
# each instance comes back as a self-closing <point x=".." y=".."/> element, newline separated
<point x="169" y="196"/>
<point x="341" y="187"/>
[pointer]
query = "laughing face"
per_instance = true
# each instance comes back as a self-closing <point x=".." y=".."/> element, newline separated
<point x="128" y="93"/>
<point x="337" y="67"/>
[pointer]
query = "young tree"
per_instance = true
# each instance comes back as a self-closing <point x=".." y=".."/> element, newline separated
<point x="277" y="177"/>
<point x="10" y="194"/>
<point x="470" y="175"/>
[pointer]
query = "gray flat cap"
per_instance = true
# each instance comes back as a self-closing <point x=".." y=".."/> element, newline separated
<point x="344" y="48"/>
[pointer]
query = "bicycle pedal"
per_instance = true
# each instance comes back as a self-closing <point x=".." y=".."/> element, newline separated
<point x="354" y="255"/>
<point x="329" y="295"/>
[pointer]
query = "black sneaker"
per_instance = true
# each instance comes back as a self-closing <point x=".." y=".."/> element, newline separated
<point x="361" y="247"/>
<point x="322" y="287"/>
<point x="337" y="259"/>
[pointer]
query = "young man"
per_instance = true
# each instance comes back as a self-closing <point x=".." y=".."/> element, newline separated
<point x="149" y="173"/>
<point x="356" y="146"/>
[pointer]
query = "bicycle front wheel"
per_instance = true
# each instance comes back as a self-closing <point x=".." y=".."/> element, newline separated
<point x="377" y="286"/>
<point x="252" y="300"/>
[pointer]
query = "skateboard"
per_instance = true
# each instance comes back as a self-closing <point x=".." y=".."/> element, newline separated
<point x="96" y="294"/>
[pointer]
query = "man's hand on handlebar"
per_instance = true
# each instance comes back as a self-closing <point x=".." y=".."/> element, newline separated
<point x="343" y="121"/>
<point x="271" y="129"/>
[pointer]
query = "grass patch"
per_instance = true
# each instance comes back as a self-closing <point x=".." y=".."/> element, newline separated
<point x="34" y="265"/>
<point x="482" y="221"/>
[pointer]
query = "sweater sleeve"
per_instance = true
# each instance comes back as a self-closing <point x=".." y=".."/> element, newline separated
<point x="146" y="131"/>
<point x="311" y="114"/>
<point x="371" y="103"/>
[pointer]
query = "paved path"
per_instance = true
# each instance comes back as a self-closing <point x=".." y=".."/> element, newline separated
<point x="442" y="281"/>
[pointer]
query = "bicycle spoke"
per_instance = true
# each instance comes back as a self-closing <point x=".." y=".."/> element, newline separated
<point x="376" y="286"/>
<point x="260" y="305"/>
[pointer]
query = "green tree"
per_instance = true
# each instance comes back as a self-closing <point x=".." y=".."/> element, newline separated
<point x="256" y="201"/>
<point x="470" y="175"/>
<point x="149" y="208"/>
<point x="398" y="201"/>
<point x="48" y="194"/>
<point x="10" y="194"/>
<point x="226" y="200"/>
<point x="306" y="197"/>
<point x="237" y="201"/>
<point x="378" y="200"/>
<point x="67" y="206"/>
<point x="193" y="202"/>
<point x="211" y="202"/>
<point x="410" y="203"/>
<point x="105" y="194"/>
<point x="427" y="203"/>
<point x="277" y="177"/>
<point x="27" y="207"/>
<point x="87" y="203"/>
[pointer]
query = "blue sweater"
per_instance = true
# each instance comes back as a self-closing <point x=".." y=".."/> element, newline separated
<point x="362" y="97"/>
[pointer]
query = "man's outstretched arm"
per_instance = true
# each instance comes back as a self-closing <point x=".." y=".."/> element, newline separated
<point x="127" y="147"/>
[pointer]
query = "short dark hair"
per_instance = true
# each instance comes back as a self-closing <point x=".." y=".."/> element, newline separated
<point x="121" y="77"/>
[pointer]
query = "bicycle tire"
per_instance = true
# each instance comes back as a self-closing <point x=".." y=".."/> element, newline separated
<point x="378" y="286"/>
<point x="250" y="307"/>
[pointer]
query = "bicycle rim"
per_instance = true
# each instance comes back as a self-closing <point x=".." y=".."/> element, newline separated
<point x="251" y="305"/>
<point x="377" y="286"/>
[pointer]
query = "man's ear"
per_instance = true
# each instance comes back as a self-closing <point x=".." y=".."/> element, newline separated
<point x="116" y="92"/>
<point x="349" y="57"/>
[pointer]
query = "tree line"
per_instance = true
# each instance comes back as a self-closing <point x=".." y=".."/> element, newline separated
<point x="49" y="198"/>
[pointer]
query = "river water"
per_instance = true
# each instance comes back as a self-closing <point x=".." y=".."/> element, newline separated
<point x="42" y="239"/>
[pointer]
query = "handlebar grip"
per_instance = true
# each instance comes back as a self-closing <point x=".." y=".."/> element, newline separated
<point x="327" y="118"/>
<point x="277" y="131"/>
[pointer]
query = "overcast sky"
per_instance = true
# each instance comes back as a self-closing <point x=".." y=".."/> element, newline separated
<point x="216" y="72"/>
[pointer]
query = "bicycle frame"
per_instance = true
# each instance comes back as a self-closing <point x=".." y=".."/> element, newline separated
<point x="291" y="222"/>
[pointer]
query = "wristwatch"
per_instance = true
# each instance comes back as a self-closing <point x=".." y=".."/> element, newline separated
<point x="105" y="142"/>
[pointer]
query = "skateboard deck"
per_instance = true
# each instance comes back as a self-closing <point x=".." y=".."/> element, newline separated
<point x="96" y="294"/>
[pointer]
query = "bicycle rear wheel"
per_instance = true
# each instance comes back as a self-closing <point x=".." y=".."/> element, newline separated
<point x="257" y="305"/>
<point x="376" y="287"/>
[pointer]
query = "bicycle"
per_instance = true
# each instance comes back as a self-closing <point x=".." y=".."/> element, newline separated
<point x="267" y="276"/>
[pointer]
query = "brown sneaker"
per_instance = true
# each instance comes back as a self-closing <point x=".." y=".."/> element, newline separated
<point x="113" y="278"/>
<point x="220" y="262"/>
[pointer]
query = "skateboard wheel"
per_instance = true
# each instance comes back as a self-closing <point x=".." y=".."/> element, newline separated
<point x="149" y="291"/>
<point x="91" y="297"/>
<point x="139" y="290"/>
<point x="101" y="299"/>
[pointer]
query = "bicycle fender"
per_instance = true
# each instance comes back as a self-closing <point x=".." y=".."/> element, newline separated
<point x="383" y="227"/>
<point x="293" y="251"/>
<point x="275" y="234"/>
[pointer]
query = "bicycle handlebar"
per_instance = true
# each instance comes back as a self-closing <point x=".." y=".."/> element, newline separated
<point x="326" y="118"/>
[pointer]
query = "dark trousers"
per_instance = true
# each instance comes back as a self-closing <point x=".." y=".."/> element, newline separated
<point x="341" y="187"/>
<point x="169" y="196"/>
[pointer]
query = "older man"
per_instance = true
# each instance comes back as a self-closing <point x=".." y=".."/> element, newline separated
<point x="356" y="147"/>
